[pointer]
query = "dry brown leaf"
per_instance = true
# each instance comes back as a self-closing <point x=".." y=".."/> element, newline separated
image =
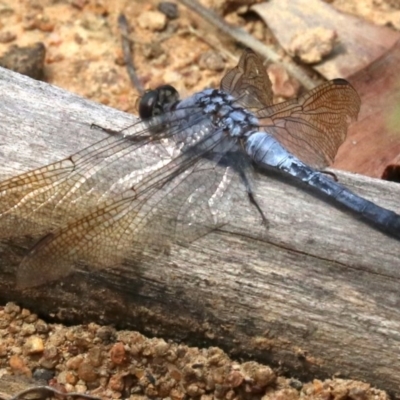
<point x="373" y="142"/>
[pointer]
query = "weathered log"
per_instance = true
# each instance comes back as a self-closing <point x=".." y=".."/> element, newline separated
<point x="317" y="294"/>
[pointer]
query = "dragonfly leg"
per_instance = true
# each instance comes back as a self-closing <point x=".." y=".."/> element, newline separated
<point x="331" y="174"/>
<point x="240" y="164"/>
<point x="107" y="130"/>
<point x="253" y="201"/>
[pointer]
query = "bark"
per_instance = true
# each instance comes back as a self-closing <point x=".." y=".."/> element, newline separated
<point x="317" y="294"/>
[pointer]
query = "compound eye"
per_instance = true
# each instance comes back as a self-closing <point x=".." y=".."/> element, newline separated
<point x="157" y="101"/>
<point x="148" y="103"/>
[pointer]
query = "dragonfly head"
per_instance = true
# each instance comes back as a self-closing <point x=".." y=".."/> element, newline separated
<point x="157" y="101"/>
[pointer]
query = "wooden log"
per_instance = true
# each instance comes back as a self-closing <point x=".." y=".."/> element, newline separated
<point x="317" y="294"/>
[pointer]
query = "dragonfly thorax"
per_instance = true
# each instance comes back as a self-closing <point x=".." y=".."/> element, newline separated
<point x="226" y="113"/>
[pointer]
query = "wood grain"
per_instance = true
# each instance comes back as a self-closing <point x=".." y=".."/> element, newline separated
<point x="317" y="294"/>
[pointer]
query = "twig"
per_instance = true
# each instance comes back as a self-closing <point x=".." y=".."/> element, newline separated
<point x="248" y="40"/>
<point x="126" y="48"/>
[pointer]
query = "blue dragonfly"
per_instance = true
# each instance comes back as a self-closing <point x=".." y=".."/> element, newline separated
<point x="172" y="177"/>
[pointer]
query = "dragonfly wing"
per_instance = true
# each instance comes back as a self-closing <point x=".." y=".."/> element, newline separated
<point x="45" y="199"/>
<point x="209" y="203"/>
<point x="313" y="126"/>
<point x="248" y="82"/>
<point x="170" y="205"/>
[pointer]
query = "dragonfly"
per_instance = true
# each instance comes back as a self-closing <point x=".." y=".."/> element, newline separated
<point x="173" y="176"/>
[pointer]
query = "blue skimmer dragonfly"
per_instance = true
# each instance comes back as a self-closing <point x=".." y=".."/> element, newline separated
<point x="206" y="147"/>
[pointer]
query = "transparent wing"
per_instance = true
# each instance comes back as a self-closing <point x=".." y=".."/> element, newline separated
<point x="47" y="198"/>
<point x="248" y="82"/>
<point x="175" y="204"/>
<point x="311" y="127"/>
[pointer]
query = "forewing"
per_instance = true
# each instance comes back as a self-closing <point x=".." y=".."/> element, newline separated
<point x="170" y="205"/>
<point x="313" y="126"/>
<point x="45" y="199"/>
<point x="248" y="82"/>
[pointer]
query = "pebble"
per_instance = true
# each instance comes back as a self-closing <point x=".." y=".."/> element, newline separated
<point x="14" y="327"/>
<point x="106" y="334"/>
<point x="152" y="20"/>
<point x="43" y="374"/>
<point x="211" y="60"/>
<point x="81" y="388"/>
<point x="5" y="320"/>
<point x="3" y="350"/>
<point x="25" y="313"/>
<point x="192" y="76"/>
<point x="80" y="4"/>
<point x="264" y="376"/>
<point x="152" y="50"/>
<point x="33" y="345"/>
<point x="296" y="384"/>
<point x="12" y="308"/>
<point x="28" y="60"/>
<point x="312" y="45"/>
<point x="28" y="329"/>
<point x="41" y="326"/>
<point x="67" y="377"/>
<point x="115" y="364"/>
<point x="50" y="357"/>
<point x="169" y="9"/>
<point x="150" y="391"/>
<point x="31" y="318"/>
<point x="172" y="77"/>
<point x="235" y="379"/>
<point x="175" y="374"/>
<point x="194" y="390"/>
<point x="95" y="356"/>
<point x="7" y="37"/>
<point x="74" y="362"/>
<point x="116" y="383"/>
<point x="118" y="353"/>
<point x="86" y="372"/>
<point x="69" y="388"/>
<point x="57" y="338"/>
<point x="16" y="350"/>
<point x="220" y="391"/>
<point x="19" y="366"/>
<point x="161" y="348"/>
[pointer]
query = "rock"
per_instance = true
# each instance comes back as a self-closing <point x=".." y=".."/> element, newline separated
<point x="33" y="345"/>
<point x="86" y="372"/>
<point x="312" y="45"/>
<point x="118" y="353"/>
<point x="169" y="9"/>
<point x="12" y="308"/>
<point x="43" y="374"/>
<point x="28" y="329"/>
<point x="152" y="20"/>
<point x="212" y="61"/>
<point x="50" y="357"/>
<point x="19" y="366"/>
